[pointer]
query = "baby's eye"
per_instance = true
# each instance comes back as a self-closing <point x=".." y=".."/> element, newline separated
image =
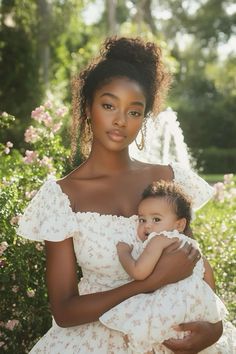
<point x="156" y="219"/>
<point x="108" y="106"/>
<point x="141" y="220"/>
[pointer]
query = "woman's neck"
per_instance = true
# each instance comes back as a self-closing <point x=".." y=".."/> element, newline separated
<point x="109" y="162"/>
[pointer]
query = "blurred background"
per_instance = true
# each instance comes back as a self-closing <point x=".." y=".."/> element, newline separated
<point x="44" y="42"/>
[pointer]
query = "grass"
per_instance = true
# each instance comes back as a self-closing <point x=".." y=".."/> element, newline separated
<point x="215" y="178"/>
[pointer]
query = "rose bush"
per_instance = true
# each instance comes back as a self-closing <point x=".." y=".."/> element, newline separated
<point x="24" y="305"/>
<point x="25" y="314"/>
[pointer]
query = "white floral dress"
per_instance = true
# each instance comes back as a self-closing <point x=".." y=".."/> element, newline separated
<point x="49" y="217"/>
<point x="147" y="319"/>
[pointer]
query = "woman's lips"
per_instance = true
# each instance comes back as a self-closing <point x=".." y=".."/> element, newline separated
<point x="116" y="135"/>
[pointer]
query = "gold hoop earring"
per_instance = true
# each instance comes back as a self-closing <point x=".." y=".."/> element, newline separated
<point x="140" y="145"/>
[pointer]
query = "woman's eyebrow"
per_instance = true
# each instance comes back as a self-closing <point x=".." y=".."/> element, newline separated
<point x="138" y="103"/>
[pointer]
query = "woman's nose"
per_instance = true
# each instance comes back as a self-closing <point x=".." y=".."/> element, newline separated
<point x="120" y="119"/>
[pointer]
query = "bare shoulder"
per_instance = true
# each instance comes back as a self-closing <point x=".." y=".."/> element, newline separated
<point x="70" y="184"/>
<point x="156" y="171"/>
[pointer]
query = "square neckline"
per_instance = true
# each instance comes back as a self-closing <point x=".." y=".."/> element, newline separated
<point x="96" y="213"/>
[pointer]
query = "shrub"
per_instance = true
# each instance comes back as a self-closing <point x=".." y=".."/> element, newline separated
<point x="25" y="315"/>
<point x="215" y="229"/>
<point x="216" y="160"/>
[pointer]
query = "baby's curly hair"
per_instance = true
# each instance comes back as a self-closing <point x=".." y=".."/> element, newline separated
<point x="175" y="196"/>
<point x="119" y="57"/>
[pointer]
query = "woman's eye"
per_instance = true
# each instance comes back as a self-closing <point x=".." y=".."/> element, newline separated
<point x="156" y="219"/>
<point x="107" y="106"/>
<point x="135" y="114"/>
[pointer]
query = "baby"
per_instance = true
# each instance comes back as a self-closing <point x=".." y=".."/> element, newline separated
<point x="149" y="319"/>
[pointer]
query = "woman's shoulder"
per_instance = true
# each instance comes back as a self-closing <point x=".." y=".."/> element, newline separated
<point x="156" y="171"/>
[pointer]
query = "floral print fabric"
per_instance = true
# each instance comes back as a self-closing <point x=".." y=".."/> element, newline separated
<point x="49" y="217"/>
<point x="147" y="319"/>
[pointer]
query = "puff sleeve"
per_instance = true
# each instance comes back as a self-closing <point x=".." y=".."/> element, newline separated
<point x="199" y="190"/>
<point x="48" y="216"/>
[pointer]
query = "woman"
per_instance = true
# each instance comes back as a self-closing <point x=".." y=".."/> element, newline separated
<point x="81" y="216"/>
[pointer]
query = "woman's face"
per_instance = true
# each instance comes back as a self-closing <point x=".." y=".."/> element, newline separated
<point x="117" y="113"/>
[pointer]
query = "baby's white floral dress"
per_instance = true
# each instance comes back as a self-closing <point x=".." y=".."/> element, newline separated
<point x="49" y="217"/>
<point x="148" y="319"/>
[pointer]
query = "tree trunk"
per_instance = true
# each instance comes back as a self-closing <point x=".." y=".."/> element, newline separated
<point x="111" y="18"/>
<point x="144" y="14"/>
<point x="44" y="33"/>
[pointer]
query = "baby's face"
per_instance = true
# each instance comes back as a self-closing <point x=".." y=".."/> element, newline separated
<point x="155" y="215"/>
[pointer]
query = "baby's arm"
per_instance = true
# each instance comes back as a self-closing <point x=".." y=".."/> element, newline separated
<point x="142" y="267"/>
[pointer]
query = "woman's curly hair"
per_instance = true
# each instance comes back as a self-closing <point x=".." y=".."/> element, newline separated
<point x="175" y="196"/>
<point x="119" y="57"/>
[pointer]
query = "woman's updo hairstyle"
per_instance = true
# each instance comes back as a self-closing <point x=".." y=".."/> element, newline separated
<point x="119" y="57"/>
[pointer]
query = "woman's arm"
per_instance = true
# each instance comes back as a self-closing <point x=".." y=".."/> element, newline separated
<point x="142" y="267"/>
<point x="208" y="275"/>
<point x="71" y="309"/>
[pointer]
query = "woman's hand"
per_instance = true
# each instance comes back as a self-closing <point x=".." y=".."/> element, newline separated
<point x="202" y="335"/>
<point x="123" y="247"/>
<point x="174" y="264"/>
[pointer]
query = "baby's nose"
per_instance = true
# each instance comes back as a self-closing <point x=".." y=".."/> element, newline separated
<point x="148" y="225"/>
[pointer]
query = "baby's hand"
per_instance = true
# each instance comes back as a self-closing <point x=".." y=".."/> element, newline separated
<point x="123" y="247"/>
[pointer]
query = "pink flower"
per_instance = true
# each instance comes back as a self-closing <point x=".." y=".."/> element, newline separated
<point x="39" y="247"/>
<point x="7" y="150"/>
<point x="30" y="195"/>
<point x="14" y="220"/>
<point x="60" y="112"/>
<point x="9" y="144"/>
<point x="48" y="104"/>
<point x="30" y="156"/>
<point x="219" y="191"/>
<point x="38" y="113"/>
<point x="47" y="119"/>
<point x="11" y="324"/>
<point x="3" y="247"/>
<point x="56" y="127"/>
<point x="228" y="178"/>
<point x="15" y="288"/>
<point x="30" y="293"/>
<point x="31" y="134"/>
<point x="1" y="344"/>
<point x="47" y="162"/>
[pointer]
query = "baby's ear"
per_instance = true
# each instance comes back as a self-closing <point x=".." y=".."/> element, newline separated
<point x="181" y="224"/>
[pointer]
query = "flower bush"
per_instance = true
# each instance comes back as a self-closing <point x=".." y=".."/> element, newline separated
<point x="25" y="314"/>
<point x="215" y="229"/>
<point x="24" y="305"/>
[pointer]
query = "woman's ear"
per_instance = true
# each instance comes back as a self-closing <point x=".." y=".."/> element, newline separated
<point x="181" y="224"/>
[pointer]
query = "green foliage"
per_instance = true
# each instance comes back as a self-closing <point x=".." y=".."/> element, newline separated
<point x="216" y="160"/>
<point x="20" y="88"/>
<point x="215" y="229"/>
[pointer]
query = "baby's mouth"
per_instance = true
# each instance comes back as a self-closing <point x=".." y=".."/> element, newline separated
<point x="147" y="234"/>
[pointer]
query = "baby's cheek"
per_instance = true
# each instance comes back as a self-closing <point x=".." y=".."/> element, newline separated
<point x="141" y="233"/>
